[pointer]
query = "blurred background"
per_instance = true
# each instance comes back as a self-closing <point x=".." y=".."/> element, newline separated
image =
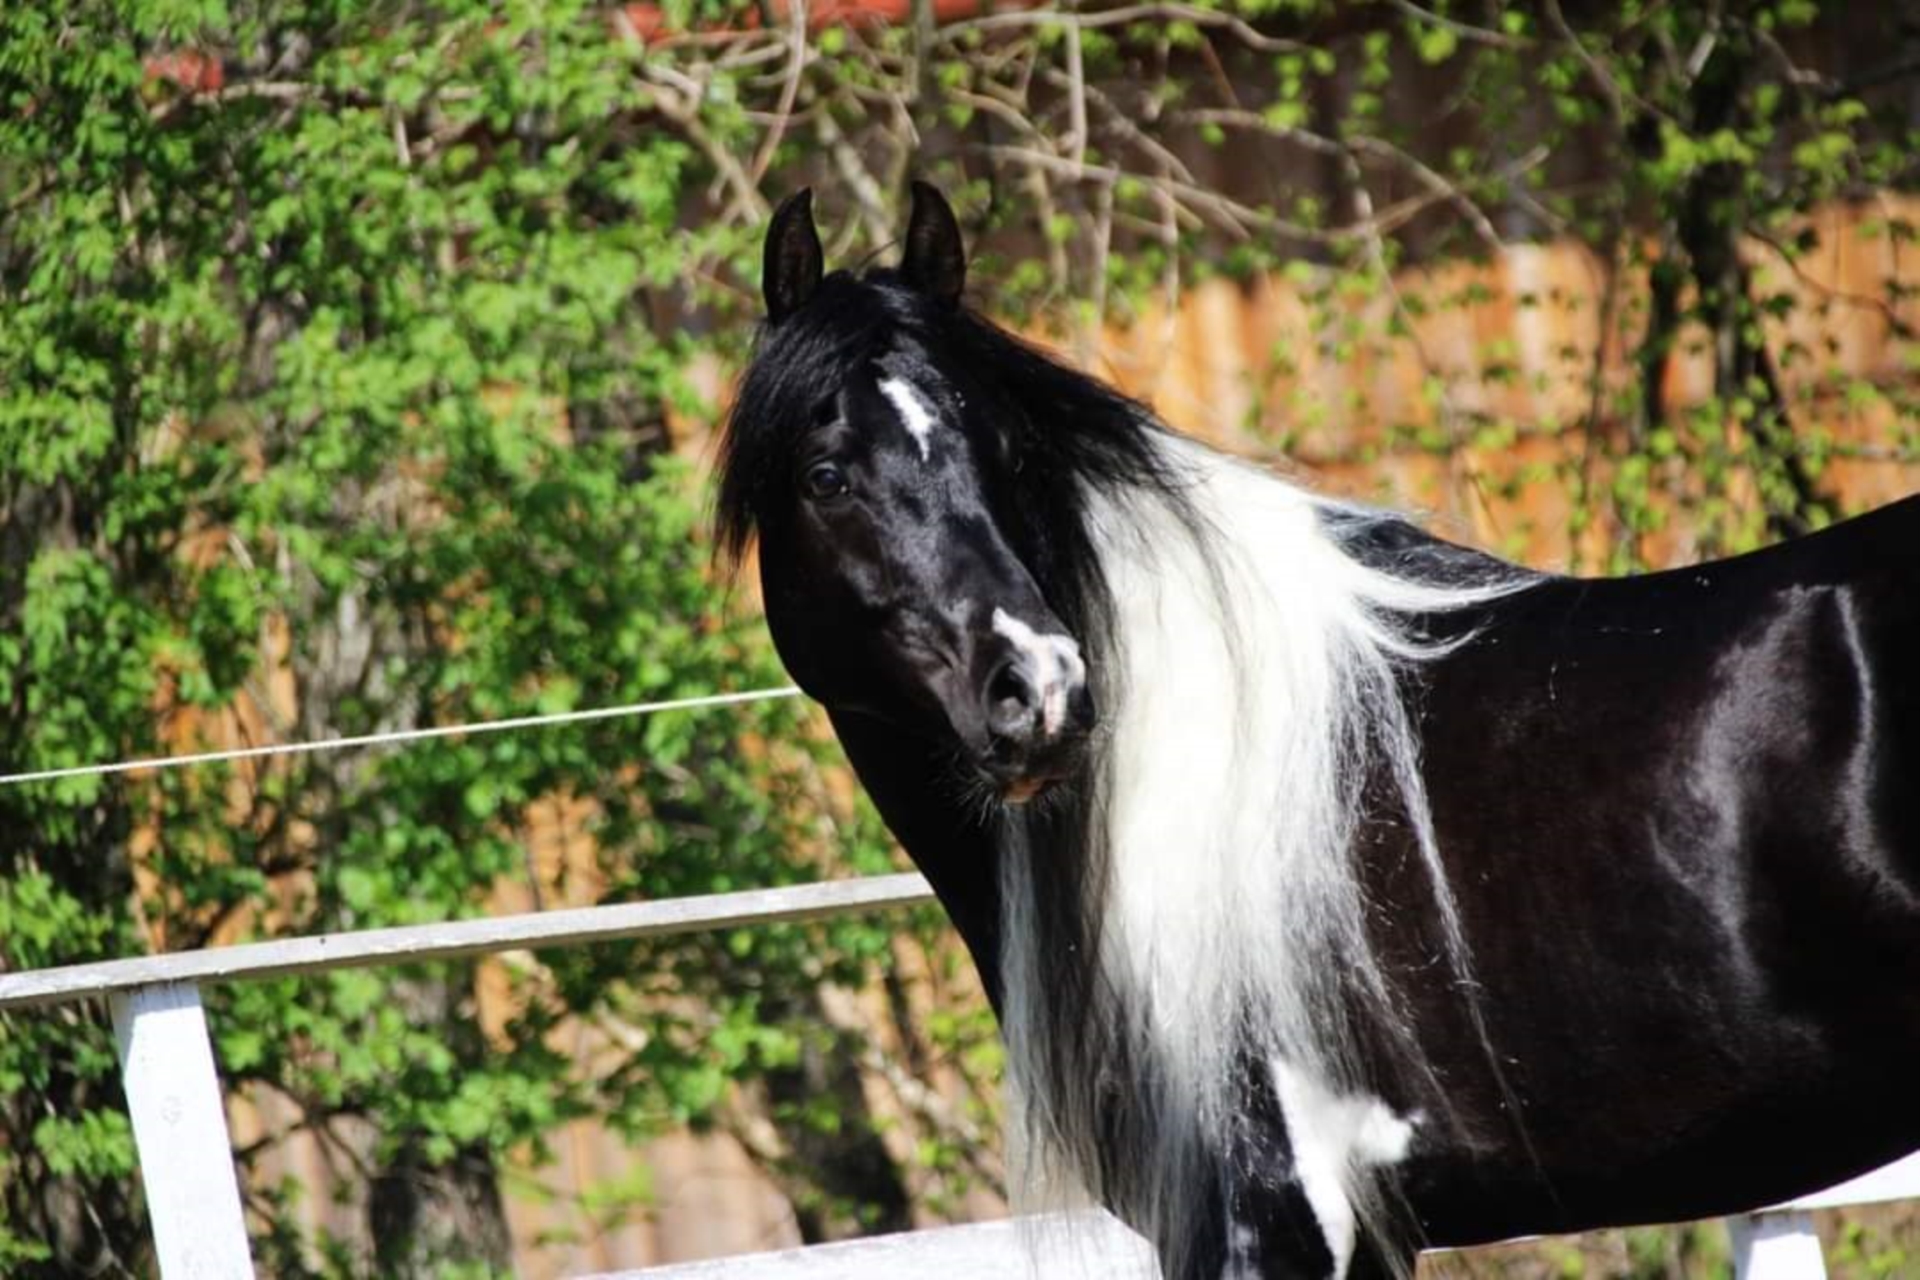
<point x="359" y="368"/>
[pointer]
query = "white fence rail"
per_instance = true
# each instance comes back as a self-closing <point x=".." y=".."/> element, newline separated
<point x="1774" y="1244"/>
<point x="166" y="1058"/>
<point x="186" y="1160"/>
<point x="412" y="944"/>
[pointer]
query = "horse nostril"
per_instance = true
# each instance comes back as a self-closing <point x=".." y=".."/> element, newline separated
<point x="1012" y="702"/>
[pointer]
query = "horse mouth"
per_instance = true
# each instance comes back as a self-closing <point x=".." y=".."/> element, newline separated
<point x="1020" y="773"/>
<point x="1022" y="790"/>
<point x="1029" y="785"/>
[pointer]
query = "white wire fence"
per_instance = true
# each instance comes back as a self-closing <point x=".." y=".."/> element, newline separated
<point x="397" y="736"/>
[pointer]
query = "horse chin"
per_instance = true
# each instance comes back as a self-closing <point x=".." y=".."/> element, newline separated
<point x="1026" y="785"/>
<point x="1023" y="790"/>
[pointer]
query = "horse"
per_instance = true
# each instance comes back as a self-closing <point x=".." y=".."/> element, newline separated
<point x="1340" y="890"/>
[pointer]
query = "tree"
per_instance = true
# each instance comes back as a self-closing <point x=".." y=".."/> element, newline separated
<point x="334" y="404"/>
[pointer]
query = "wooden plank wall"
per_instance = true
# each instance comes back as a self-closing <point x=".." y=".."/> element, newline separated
<point x="1501" y="366"/>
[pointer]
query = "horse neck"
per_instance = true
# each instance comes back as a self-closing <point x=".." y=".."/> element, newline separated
<point x="953" y="842"/>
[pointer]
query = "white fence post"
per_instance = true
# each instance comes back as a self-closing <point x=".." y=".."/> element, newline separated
<point x="1778" y="1245"/>
<point x="180" y="1128"/>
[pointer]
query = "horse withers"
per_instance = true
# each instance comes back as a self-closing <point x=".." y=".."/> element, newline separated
<point x="1340" y="891"/>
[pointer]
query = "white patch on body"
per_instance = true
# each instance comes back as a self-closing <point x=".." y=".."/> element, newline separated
<point x="1334" y="1136"/>
<point x="1055" y="662"/>
<point x="915" y="416"/>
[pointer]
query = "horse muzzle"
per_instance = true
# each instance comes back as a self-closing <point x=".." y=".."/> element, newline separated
<point x="1038" y="710"/>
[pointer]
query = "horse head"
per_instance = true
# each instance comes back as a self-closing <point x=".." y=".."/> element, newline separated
<point x="876" y="459"/>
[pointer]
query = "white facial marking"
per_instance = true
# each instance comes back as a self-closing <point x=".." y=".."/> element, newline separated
<point x="915" y="416"/>
<point x="1057" y="666"/>
<point x="1333" y="1136"/>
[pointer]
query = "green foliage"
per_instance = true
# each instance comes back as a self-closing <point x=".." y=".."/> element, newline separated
<point x="1873" y="1245"/>
<point x="345" y="382"/>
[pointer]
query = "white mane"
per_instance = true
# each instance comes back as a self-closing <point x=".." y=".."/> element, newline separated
<point x="1251" y="693"/>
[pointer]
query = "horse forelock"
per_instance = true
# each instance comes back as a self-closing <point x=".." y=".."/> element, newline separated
<point x="794" y="365"/>
<point x="1065" y="434"/>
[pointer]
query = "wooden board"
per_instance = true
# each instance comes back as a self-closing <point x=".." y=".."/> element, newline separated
<point x="1079" y="1246"/>
<point x="408" y="944"/>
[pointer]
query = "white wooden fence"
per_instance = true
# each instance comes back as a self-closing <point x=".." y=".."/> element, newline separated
<point x="186" y="1159"/>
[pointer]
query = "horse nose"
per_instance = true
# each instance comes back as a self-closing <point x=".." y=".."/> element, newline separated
<point x="1037" y="693"/>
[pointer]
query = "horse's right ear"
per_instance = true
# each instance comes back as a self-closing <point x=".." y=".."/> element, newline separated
<point x="935" y="261"/>
<point x="791" y="267"/>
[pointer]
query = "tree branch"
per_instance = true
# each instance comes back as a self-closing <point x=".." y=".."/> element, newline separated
<point x="1244" y="31"/>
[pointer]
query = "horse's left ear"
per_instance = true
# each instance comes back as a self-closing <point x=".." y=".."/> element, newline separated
<point x="935" y="261"/>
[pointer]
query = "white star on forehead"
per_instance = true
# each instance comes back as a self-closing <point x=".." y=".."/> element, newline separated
<point x="915" y="416"/>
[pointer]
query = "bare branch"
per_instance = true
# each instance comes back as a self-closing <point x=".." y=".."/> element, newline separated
<point x="789" y="91"/>
<point x="1236" y="118"/>
<point x="1076" y="82"/>
<point x="684" y="111"/>
<point x="1005" y="113"/>
<point x="265" y="90"/>
<point x="1231" y="215"/>
<point x="1121" y="123"/>
<point x="1896" y="324"/>
<point x="401" y="149"/>
<point x="1377" y="148"/>
<point x="1435" y="184"/>
<point x="1600" y="76"/>
<point x="1479" y="35"/>
<point x="867" y="193"/>
<point x="1239" y="27"/>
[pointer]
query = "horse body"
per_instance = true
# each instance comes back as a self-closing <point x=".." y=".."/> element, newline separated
<point x="1340" y="890"/>
<point x="1697" y="789"/>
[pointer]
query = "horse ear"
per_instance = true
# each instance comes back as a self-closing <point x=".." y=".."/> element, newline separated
<point x="935" y="261"/>
<point x="790" y="269"/>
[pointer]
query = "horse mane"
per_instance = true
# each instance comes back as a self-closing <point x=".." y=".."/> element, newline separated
<point x="1187" y="922"/>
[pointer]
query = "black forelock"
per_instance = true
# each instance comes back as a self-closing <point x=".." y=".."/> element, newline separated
<point x="1065" y="432"/>
<point x="796" y="364"/>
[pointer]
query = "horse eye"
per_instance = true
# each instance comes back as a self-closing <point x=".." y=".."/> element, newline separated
<point x="825" y="480"/>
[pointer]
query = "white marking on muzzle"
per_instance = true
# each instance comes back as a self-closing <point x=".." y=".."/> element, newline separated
<point x="915" y="416"/>
<point x="1056" y="664"/>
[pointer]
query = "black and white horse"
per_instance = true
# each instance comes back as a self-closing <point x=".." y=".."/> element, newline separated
<point x="1340" y="890"/>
